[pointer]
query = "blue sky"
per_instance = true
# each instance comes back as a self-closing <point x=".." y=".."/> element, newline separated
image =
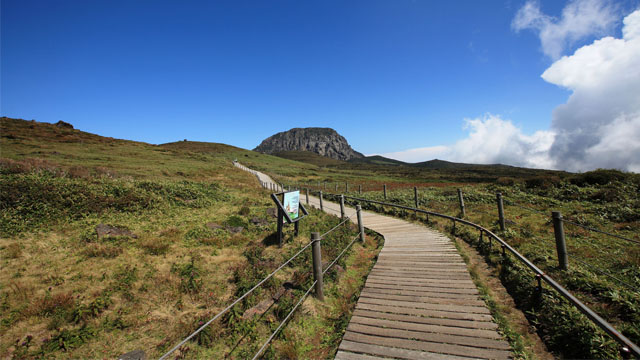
<point x="388" y="75"/>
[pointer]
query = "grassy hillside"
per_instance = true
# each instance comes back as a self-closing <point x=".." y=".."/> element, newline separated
<point x="110" y="245"/>
<point x="69" y="292"/>
<point x="604" y="271"/>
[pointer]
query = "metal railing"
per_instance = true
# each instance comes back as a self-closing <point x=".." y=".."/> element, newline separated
<point x="627" y="345"/>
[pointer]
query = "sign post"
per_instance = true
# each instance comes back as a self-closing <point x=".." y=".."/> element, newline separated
<point x="290" y="211"/>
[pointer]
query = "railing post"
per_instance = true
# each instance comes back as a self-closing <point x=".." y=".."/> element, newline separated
<point x="321" y="207"/>
<point x="500" y="211"/>
<point x="307" y="195"/>
<point x="317" y="264"/>
<point x="360" y="224"/>
<point x="415" y="196"/>
<point x="561" y="245"/>
<point x="279" y="226"/>
<point x="461" y="200"/>
<point x="360" y="189"/>
<point x="346" y="187"/>
<point x="384" y="191"/>
<point x="342" y="206"/>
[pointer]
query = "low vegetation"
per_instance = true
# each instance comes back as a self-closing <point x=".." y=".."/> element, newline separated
<point x="109" y="246"/>
<point x="604" y="271"/>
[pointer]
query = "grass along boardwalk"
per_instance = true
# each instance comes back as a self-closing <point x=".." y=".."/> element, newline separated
<point x="419" y="301"/>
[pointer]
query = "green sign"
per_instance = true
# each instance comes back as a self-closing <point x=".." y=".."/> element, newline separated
<point x="291" y="204"/>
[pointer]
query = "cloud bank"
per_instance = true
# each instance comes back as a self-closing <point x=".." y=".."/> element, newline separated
<point x="598" y="126"/>
<point x="490" y="140"/>
<point x="580" y="19"/>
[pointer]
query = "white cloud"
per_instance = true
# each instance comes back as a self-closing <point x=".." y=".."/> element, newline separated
<point x="603" y="111"/>
<point x="598" y="126"/>
<point x="580" y="19"/>
<point x="490" y="140"/>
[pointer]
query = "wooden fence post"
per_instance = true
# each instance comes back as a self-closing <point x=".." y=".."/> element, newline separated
<point x="561" y="244"/>
<point x="307" y="193"/>
<point x="342" y="207"/>
<point x="384" y="191"/>
<point x="360" y="189"/>
<point x="321" y="208"/>
<point x="461" y="200"/>
<point x="500" y="211"/>
<point x="346" y="187"/>
<point x="360" y="224"/>
<point x="316" y="255"/>
<point x="279" y="227"/>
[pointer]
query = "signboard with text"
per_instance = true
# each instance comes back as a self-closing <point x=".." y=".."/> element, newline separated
<point x="291" y="204"/>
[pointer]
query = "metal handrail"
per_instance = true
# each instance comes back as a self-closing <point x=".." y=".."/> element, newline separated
<point x="602" y="323"/>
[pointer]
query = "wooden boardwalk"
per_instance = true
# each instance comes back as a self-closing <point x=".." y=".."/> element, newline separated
<point x="418" y="301"/>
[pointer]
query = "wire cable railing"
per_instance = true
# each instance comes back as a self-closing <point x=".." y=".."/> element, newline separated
<point x="275" y="332"/>
<point x="273" y="335"/>
<point x="233" y="303"/>
<point x="247" y="293"/>
<point x="340" y="224"/>
<point x="608" y="274"/>
<point x="600" y="231"/>
<point x="627" y="345"/>
<point x="599" y="321"/>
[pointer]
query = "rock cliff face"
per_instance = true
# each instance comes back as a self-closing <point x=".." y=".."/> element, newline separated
<point x="322" y="141"/>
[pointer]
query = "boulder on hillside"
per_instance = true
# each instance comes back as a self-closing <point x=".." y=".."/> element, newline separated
<point x="103" y="230"/>
<point x="64" y="125"/>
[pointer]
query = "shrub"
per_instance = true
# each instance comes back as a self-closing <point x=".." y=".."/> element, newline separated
<point x="506" y="181"/>
<point x="13" y="251"/>
<point x="598" y="177"/>
<point x="190" y="277"/>
<point x="155" y="246"/>
<point x="235" y="221"/>
<point x="107" y="251"/>
<point x="542" y="182"/>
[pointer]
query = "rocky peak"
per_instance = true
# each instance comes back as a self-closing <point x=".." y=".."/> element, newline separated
<point x="322" y="141"/>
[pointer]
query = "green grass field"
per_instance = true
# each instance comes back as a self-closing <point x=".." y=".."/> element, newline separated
<point x="65" y="292"/>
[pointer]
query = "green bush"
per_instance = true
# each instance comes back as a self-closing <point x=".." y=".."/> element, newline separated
<point x="32" y="200"/>
<point x="598" y="177"/>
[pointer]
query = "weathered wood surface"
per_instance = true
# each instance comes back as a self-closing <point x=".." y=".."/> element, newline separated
<point x="419" y="301"/>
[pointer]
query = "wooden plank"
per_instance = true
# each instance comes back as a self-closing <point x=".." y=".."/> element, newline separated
<point x="452" y="283"/>
<point x="425" y="288"/>
<point x="374" y="299"/>
<point x="396" y="353"/>
<point x="422" y="275"/>
<point x="457" y="326"/>
<point x="343" y="355"/>
<point x="422" y="268"/>
<point x="366" y="303"/>
<point x="435" y="295"/>
<point x="423" y="299"/>
<point x="380" y="329"/>
<point x="409" y="285"/>
<point x="447" y="349"/>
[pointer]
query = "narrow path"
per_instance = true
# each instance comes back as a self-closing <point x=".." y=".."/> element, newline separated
<point x="419" y="301"/>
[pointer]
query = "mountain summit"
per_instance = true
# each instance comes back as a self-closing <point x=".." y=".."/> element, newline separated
<point x="322" y="141"/>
